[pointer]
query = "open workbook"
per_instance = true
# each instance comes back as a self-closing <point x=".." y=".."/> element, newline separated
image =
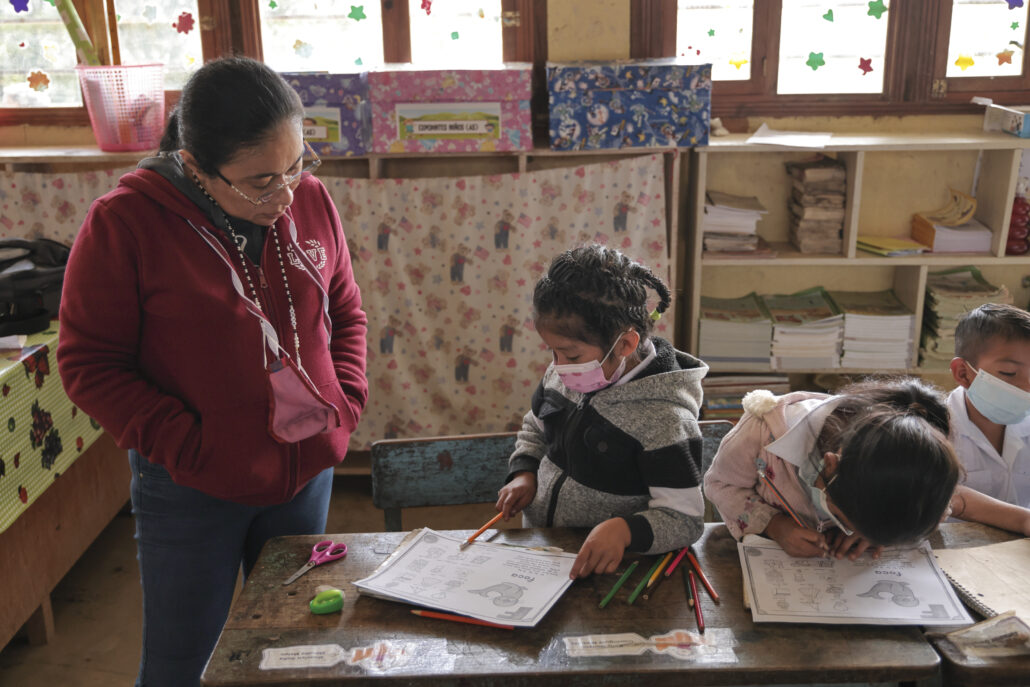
<point x="499" y="583"/>
<point x="904" y="586"/>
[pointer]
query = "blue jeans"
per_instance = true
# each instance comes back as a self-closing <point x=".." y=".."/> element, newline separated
<point x="190" y="547"/>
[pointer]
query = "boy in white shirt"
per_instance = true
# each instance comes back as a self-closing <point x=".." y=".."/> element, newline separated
<point x="990" y="409"/>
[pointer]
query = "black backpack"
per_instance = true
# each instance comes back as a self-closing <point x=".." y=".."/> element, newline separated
<point x="30" y="297"/>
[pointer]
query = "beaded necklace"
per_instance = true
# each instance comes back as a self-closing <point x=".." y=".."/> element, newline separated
<point x="238" y="242"/>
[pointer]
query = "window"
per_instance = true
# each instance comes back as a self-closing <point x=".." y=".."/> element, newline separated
<point x="456" y="33"/>
<point x="160" y="33"/>
<point x="330" y="35"/>
<point x="796" y="57"/>
<point x="37" y="59"/>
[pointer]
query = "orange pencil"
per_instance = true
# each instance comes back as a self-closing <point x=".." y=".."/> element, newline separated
<point x="460" y="619"/>
<point x="701" y="574"/>
<point x="482" y="529"/>
<point x="697" y="603"/>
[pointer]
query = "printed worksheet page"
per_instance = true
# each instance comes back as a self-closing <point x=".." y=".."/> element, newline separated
<point x="499" y="583"/>
<point x="905" y="586"/>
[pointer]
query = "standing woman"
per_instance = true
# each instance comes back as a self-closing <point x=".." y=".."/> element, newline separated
<point x="211" y="323"/>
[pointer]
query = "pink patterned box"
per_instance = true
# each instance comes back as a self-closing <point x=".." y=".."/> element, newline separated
<point x="451" y="110"/>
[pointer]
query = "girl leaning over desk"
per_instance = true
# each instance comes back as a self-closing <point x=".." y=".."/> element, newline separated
<point x="835" y="475"/>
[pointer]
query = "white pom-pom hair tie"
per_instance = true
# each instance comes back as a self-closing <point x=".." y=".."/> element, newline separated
<point x="759" y="402"/>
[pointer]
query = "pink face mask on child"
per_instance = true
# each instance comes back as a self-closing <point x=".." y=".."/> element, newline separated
<point x="588" y="377"/>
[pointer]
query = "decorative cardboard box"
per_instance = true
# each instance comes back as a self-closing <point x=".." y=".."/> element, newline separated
<point x="336" y="112"/>
<point x="631" y="103"/>
<point x="1010" y="119"/>
<point x="451" y="110"/>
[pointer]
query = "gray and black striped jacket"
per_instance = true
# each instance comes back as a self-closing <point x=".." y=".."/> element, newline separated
<point x="631" y="451"/>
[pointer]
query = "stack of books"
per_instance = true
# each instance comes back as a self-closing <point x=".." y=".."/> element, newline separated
<point x="817" y="205"/>
<point x="949" y="295"/>
<point x="879" y="329"/>
<point x="807" y="330"/>
<point x="735" y="332"/>
<point x="730" y="223"/>
<point x="723" y="393"/>
<point x="969" y="237"/>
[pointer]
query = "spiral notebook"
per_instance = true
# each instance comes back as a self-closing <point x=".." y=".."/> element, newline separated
<point x="990" y="579"/>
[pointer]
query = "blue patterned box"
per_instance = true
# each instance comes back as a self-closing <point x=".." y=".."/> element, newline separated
<point x="337" y="116"/>
<point x="631" y="103"/>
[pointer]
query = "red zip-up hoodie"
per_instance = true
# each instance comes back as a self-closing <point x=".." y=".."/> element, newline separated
<point x="157" y="346"/>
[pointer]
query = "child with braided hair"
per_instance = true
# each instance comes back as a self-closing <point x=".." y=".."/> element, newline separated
<point x="611" y="439"/>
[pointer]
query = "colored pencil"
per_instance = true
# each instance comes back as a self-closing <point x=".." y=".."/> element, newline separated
<point x="650" y="591"/>
<point x="686" y="585"/>
<point x="482" y="529"/>
<point x="783" y="501"/>
<point x="643" y="582"/>
<point x="704" y="578"/>
<point x="659" y="569"/>
<point x="676" y="561"/>
<point x="625" y="576"/>
<point x="460" y="619"/>
<point x="697" y="603"/>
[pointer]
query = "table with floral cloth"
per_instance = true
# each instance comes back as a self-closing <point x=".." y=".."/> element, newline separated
<point x="41" y="430"/>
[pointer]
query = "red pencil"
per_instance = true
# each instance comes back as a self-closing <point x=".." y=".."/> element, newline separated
<point x="460" y="619"/>
<point x="697" y="603"/>
<point x="701" y="574"/>
<point x="675" y="562"/>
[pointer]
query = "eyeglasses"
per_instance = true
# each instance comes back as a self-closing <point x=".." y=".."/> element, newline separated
<point x="287" y="180"/>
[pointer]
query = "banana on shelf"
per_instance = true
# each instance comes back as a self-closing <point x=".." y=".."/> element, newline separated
<point x="960" y="209"/>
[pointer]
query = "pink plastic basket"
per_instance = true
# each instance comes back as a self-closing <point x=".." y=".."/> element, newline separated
<point x="126" y="105"/>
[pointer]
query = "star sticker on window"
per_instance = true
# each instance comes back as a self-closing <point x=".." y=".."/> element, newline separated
<point x="964" y="62"/>
<point x="1014" y="25"/>
<point x="865" y="64"/>
<point x="1013" y="4"/>
<point x="357" y="12"/>
<point x="711" y="32"/>
<point x="877" y="8"/>
<point x="1004" y="57"/>
<point x="738" y="62"/>
<point x="184" y="24"/>
<point x="39" y="81"/>
<point x="815" y="60"/>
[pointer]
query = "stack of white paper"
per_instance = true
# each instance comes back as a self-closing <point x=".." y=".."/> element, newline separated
<point x="735" y="333"/>
<point x="878" y="329"/>
<point x="971" y="237"/>
<point x="730" y="223"/>
<point x="807" y="330"/>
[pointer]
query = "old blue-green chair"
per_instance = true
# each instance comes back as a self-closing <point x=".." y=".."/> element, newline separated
<point x="457" y="470"/>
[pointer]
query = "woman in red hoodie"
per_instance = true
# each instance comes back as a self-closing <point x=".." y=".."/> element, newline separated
<point x="211" y="323"/>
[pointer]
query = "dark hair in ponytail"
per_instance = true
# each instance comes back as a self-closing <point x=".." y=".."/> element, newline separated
<point x="897" y="470"/>
<point x="593" y="294"/>
<point x="228" y="105"/>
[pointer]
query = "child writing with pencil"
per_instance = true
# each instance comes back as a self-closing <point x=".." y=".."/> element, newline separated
<point x="611" y="440"/>
<point x="834" y="475"/>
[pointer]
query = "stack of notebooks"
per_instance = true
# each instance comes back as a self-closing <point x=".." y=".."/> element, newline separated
<point x="991" y="579"/>
<point x="879" y="329"/>
<point x="949" y="295"/>
<point x="807" y="330"/>
<point x="817" y="205"/>
<point x="889" y="246"/>
<point x="970" y="237"/>
<point x="735" y="331"/>
<point x="730" y="225"/>
<point x="723" y="393"/>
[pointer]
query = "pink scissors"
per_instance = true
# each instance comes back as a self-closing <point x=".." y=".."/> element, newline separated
<point x="322" y="552"/>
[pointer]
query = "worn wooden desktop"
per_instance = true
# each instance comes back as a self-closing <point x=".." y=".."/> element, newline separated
<point x="266" y="614"/>
<point x="957" y="668"/>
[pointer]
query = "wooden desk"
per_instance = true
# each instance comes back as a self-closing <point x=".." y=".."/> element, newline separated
<point x="269" y="615"/>
<point x="957" y="668"/>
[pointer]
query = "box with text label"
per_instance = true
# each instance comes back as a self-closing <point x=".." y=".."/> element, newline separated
<point x="451" y="110"/>
<point x="630" y="103"/>
<point x="337" y="119"/>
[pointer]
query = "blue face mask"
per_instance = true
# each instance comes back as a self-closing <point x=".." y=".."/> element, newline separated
<point x="997" y="400"/>
<point x="808" y="476"/>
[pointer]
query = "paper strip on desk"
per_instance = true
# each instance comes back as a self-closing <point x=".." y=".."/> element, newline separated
<point x="905" y="586"/>
<point x="492" y="582"/>
<point x="793" y="139"/>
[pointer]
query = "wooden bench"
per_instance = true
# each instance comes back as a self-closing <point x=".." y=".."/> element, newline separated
<point x="456" y="470"/>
